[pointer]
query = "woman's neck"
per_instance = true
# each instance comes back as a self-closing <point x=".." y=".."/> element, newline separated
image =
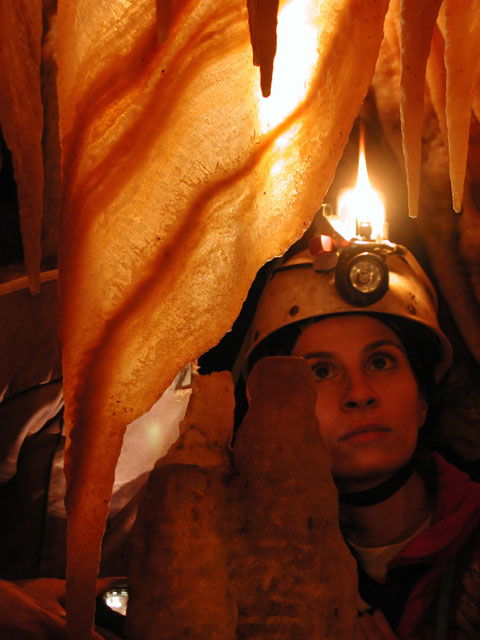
<point x="390" y="521"/>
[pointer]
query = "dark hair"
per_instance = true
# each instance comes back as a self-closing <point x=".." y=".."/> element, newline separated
<point x="423" y="352"/>
<point x="278" y="343"/>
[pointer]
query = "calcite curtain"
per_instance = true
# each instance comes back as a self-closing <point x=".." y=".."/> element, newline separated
<point x="179" y="182"/>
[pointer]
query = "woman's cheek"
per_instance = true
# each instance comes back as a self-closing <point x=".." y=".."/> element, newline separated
<point x="327" y="422"/>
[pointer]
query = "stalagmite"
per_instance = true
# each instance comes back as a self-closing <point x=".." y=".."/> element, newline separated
<point x="178" y="578"/>
<point x="292" y="574"/>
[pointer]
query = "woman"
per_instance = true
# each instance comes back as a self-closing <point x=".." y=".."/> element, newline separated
<point x="410" y="519"/>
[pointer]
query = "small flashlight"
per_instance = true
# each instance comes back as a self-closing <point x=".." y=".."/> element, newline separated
<point x="112" y="608"/>
<point x="116" y="599"/>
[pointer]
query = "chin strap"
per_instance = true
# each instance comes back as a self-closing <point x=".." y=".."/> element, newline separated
<point x="380" y="493"/>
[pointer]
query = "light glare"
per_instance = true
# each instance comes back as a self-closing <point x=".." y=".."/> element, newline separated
<point x="294" y="64"/>
<point x="360" y="204"/>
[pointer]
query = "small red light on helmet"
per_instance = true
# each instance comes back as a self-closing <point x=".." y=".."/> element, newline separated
<point x="327" y="243"/>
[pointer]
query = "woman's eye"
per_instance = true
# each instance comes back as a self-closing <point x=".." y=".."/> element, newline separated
<point x="382" y="361"/>
<point x="322" y="371"/>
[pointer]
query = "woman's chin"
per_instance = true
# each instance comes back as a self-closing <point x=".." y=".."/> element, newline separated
<point x="364" y="476"/>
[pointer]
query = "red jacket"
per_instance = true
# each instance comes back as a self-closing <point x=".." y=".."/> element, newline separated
<point x="454" y="536"/>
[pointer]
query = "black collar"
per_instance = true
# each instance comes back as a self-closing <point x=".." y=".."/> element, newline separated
<point x="380" y="493"/>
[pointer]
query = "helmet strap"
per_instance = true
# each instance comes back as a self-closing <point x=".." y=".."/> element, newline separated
<point x="378" y="494"/>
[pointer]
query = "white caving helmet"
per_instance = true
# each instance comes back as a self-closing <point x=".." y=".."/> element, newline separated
<point x="355" y="277"/>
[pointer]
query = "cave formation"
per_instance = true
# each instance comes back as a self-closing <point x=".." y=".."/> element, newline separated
<point x="175" y="184"/>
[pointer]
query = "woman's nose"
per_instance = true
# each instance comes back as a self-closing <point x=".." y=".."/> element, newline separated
<point x="358" y="393"/>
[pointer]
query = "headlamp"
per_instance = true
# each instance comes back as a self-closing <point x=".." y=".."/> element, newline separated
<point x="361" y="276"/>
<point x="361" y="272"/>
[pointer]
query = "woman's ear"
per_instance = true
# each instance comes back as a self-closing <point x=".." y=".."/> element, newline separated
<point x="422" y="411"/>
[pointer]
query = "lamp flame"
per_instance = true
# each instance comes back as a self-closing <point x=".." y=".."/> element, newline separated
<point x="360" y="205"/>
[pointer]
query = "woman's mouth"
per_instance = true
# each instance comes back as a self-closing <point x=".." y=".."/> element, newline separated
<point x="365" y="433"/>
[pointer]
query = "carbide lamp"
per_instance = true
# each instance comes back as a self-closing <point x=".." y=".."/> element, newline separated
<point x="360" y="211"/>
<point x="359" y="241"/>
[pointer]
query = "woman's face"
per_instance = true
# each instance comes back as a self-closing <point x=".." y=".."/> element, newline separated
<point x="369" y="407"/>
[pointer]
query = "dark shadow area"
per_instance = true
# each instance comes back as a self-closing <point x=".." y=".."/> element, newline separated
<point x="11" y="249"/>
